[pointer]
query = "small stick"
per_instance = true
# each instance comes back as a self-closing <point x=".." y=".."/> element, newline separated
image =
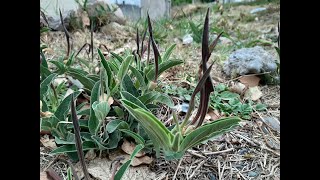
<point x="175" y="173"/>
<point x="218" y="152"/>
<point x="197" y="168"/>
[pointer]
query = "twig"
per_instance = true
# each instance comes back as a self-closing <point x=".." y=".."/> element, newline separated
<point x="218" y="152"/>
<point x="175" y="173"/>
<point x="244" y="138"/>
<point x="195" y="154"/>
<point x="197" y="168"/>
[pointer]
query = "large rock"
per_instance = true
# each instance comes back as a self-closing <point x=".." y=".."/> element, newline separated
<point x="249" y="60"/>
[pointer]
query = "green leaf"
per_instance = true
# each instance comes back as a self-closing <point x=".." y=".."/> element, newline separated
<point x="60" y="66"/>
<point x="87" y="145"/>
<point x="261" y="107"/>
<point x="207" y="131"/>
<point x="126" y="95"/>
<point x="93" y="77"/>
<point x="78" y="71"/>
<point x="163" y="67"/>
<point x="149" y="97"/>
<point x="44" y="86"/>
<point x="227" y="95"/>
<point x="165" y="99"/>
<point x="134" y="135"/>
<point x="70" y="60"/>
<point x="93" y="120"/>
<point x="168" y="53"/>
<point x="127" y="85"/>
<point x="119" y="58"/>
<point x="64" y="106"/>
<point x="69" y="174"/>
<point x="220" y="88"/>
<point x="155" y="129"/>
<point x="124" y="68"/>
<point x="116" y="124"/>
<point x="105" y="64"/>
<point x="101" y="109"/>
<point x="44" y="72"/>
<point x="119" y="112"/>
<point x="139" y="77"/>
<point x="125" y="166"/>
<point x="87" y="82"/>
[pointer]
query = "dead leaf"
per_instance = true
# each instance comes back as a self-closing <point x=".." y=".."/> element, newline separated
<point x="100" y="169"/>
<point x="253" y="93"/>
<point x="272" y="143"/>
<point x="48" y="143"/>
<point x="128" y="147"/>
<point x="46" y="114"/>
<point x="135" y="162"/>
<point x="250" y="81"/>
<point x="85" y="19"/>
<point x="213" y="114"/>
<point x="238" y="88"/>
<point x="110" y="101"/>
<point x="90" y="155"/>
<point x="141" y="160"/>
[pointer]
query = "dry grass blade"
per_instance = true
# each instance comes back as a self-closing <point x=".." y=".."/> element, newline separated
<point x="67" y="34"/>
<point x="78" y="139"/>
<point x="155" y="50"/>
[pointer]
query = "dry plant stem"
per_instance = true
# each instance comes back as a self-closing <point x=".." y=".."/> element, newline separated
<point x="218" y="152"/>
<point x="74" y="173"/>
<point x="197" y="168"/>
<point x="86" y="44"/>
<point x="78" y="139"/>
<point x="91" y="30"/>
<point x="175" y="173"/>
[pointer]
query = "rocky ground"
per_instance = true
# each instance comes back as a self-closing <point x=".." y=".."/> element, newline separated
<point x="251" y="151"/>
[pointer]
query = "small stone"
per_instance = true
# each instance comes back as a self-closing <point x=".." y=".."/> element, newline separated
<point x="252" y="174"/>
<point x="187" y="39"/>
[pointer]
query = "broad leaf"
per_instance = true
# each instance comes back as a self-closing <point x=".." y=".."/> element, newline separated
<point x="101" y="109"/>
<point x="208" y="131"/>
<point x="168" y="53"/>
<point x="124" y="68"/>
<point x="87" y="82"/>
<point x="126" y="95"/>
<point x="134" y="135"/>
<point x="116" y="124"/>
<point x="87" y="145"/>
<point x="93" y="120"/>
<point x="163" y="67"/>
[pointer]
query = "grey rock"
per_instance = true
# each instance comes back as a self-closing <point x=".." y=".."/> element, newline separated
<point x="252" y="174"/>
<point x="249" y="60"/>
<point x="187" y="39"/>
